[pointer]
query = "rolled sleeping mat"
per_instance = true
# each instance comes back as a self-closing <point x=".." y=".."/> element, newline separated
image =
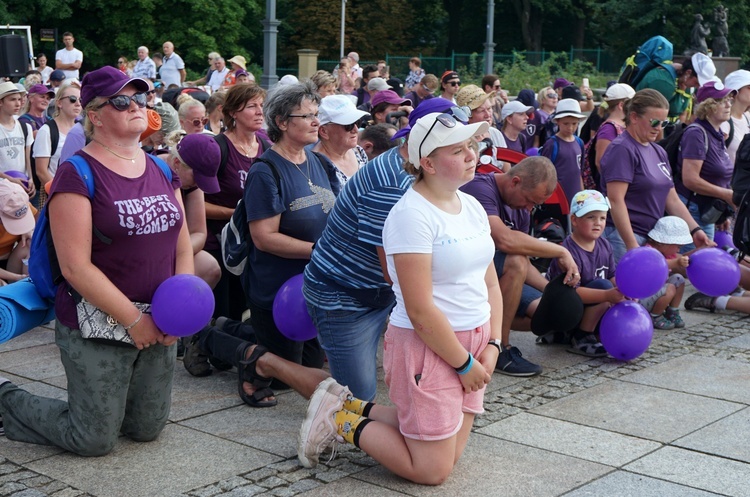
<point x="22" y="309"/>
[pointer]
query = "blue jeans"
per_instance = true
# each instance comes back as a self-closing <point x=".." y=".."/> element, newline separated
<point x="350" y="340"/>
<point x="618" y="246"/>
<point x="709" y="229"/>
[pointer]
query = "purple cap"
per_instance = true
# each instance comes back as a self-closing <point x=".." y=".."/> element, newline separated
<point x="107" y="82"/>
<point x="428" y="106"/>
<point x="712" y="90"/>
<point x="241" y="72"/>
<point x="40" y="89"/>
<point x="202" y="154"/>
<point x="561" y="83"/>
<point x="390" y="97"/>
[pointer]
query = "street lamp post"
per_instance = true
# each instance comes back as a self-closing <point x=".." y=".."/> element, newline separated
<point x="270" y="35"/>
<point x="489" y="46"/>
<point x="343" y="27"/>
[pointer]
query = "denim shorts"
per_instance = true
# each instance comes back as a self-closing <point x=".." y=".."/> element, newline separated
<point x="709" y="229"/>
<point x="618" y="246"/>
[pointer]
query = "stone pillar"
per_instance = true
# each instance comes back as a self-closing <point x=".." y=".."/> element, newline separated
<point x="725" y="65"/>
<point x="308" y="62"/>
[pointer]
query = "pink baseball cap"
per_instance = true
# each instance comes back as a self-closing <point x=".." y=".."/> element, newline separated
<point x="15" y="212"/>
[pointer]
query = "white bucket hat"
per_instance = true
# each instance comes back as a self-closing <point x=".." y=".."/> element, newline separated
<point x="568" y="107"/>
<point x="671" y="230"/>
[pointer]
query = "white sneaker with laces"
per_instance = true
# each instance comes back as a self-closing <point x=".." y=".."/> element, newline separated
<point x="319" y="429"/>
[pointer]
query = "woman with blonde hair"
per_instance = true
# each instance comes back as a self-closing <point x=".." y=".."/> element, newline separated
<point x="192" y="114"/>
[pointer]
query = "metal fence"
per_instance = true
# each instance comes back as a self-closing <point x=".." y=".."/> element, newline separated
<point x="601" y="59"/>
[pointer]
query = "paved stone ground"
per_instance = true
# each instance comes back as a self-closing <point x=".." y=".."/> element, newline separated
<point x="675" y="421"/>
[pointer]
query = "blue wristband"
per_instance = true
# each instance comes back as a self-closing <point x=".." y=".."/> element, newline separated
<point x="468" y="366"/>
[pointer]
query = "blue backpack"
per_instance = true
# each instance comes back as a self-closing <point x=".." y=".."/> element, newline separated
<point x="655" y="52"/>
<point x="44" y="268"/>
<point x="556" y="146"/>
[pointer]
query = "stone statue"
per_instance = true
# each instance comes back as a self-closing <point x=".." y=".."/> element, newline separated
<point x="720" y="45"/>
<point x="698" y="36"/>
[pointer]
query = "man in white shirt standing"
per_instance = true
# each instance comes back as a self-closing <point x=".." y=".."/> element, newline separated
<point x="173" y="68"/>
<point x="69" y="59"/>
<point x="219" y="74"/>
<point x="145" y="67"/>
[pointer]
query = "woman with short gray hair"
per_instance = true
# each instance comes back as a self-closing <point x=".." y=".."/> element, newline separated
<point x="288" y="196"/>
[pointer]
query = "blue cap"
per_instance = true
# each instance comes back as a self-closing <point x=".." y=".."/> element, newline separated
<point x="428" y="106"/>
<point x="528" y="97"/>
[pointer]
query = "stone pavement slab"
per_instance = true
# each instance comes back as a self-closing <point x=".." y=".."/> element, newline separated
<point x="713" y="474"/>
<point x="624" y="484"/>
<point x="562" y="437"/>
<point x="713" y="377"/>
<point x="721" y="438"/>
<point x="36" y="363"/>
<point x="351" y="486"/>
<point x="192" y="397"/>
<point x="638" y="410"/>
<point x="179" y="460"/>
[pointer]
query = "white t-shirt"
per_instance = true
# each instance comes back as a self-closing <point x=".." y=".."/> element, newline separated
<point x="43" y="146"/>
<point x="13" y="149"/>
<point x="45" y="74"/>
<point x="217" y="78"/>
<point x="461" y="248"/>
<point x="68" y="57"/>
<point x="741" y="128"/>
<point x="170" y="70"/>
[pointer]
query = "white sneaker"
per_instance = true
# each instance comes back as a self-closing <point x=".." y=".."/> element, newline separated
<point x="319" y="429"/>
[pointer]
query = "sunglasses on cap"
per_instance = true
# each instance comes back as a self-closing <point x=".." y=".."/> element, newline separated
<point x="655" y="123"/>
<point x="425" y="88"/>
<point x="199" y="122"/>
<point x="449" y="120"/>
<point x="122" y="102"/>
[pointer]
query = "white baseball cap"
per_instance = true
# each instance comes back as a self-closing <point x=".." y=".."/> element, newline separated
<point x="618" y="92"/>
<point x="339" y="109"/>
<point x="434" y="131"/>
<point x="588" y="201"/>
<point x="515" y="107"/>
<point x="737" y="80"/>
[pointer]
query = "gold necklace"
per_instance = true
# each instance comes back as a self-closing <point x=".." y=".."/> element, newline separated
<point x="131" y="159"/>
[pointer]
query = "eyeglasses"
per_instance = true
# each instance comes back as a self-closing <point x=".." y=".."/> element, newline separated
<point x="655" y="123"/>
<point x="552" y="95"/>
<point x="307" y="117"/>
<point x="122" y="102"/>
<point x="199" y="122"/>
<point x="71" y="98"/>
<point x="150" y="92"/>
<point x="454" y="83"/>
<point x="728" y="100"/>
<point x="496" y="87"/>
<point x="447" y="119"/>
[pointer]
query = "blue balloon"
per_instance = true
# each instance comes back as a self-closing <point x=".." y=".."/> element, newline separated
<point x="626" y="330"/>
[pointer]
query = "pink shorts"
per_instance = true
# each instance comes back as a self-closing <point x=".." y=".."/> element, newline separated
<point x="432" y="406"/>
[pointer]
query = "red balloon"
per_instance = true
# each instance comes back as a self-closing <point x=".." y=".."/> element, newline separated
<point x="182" y="305"/>
<point x="626" y="330"/>
<point x="290" y="311"/>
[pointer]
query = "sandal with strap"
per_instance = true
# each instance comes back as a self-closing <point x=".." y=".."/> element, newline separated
<point x="246" y="373"/>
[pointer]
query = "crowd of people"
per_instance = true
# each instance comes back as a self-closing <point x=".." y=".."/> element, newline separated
<point x="368" y="187"/>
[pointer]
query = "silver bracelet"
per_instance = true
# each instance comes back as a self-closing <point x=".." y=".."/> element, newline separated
<point x="137" y="320"/>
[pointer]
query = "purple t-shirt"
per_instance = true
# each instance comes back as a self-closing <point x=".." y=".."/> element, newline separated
<point x="646" y="169"/>
<point x="519" y="144"/>
<point x="567" y="163"/>
<point x="534" y="126"/>
<point x="142" y="218"/>
<point x="484" y="188"/>
<point x="717" y="166"/>
<point x="598" y="264"/>
<point x="232" y="184"/>
<point x="607" y="131"/>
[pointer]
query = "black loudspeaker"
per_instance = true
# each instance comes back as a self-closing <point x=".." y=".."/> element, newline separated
<point x="13" y="56"/>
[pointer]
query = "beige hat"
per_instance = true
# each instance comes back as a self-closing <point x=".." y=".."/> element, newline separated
<point x="239" y="60"/>
<point x="8" y="88"/>
<point x="15" y="212"/>
<point x="472" y="96"/>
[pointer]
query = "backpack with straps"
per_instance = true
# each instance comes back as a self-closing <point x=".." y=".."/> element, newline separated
<point x="556" y="146"/>
<point x="655" y="52"/>
<point x="671" y="145"/>
<point x="44" y="267"/>
<point x="235" y="234"/>
<point x="54" y="138"/>
<point x="589" y="172"/>
<point x="741" y="197"/>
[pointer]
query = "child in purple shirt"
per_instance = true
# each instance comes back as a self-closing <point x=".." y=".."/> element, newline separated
<point x="565" y="149"/>
<point x="596" y="262"/>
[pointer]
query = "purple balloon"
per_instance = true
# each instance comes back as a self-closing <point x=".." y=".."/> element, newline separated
<point x="724" y="239"/>
<point x="19" y="175"/>
<point x="182" y="305"/>
<point x="532" y="151"/>
<point x="290" y="311"/>
<point x="713" y="272"/>
<point x="626" y="330"/>
<point x="641" y="272"/>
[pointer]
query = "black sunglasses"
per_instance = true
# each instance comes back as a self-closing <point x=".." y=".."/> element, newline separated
<point x="446" y="120"/>
<point x="349" y="127"/>
<point x="454" y="83"/>
<point x="122" y="102"/>
<point x="72" y="99"/>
